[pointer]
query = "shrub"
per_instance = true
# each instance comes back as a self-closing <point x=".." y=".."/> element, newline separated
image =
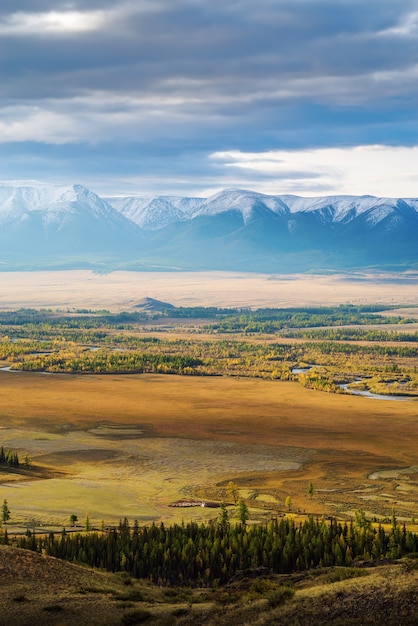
<point x="178" y="595"/>
<point x="280" y="596"/>
<point x="53" y="608"/>
<point x="180" y="612"/>
<point x="227" y="598"/>
<point x="345" y="573"/>
<point x="134" y="595"/>
<point x="136" y="617"/>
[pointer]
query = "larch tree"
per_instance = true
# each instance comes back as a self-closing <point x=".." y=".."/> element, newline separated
<point x="5" y="512"/>
<point x="243" y="513"/>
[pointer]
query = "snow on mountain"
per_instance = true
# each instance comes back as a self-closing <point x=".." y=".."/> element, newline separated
<point x="53" y="201"/>
<point x="344" y="209"/>
<point x="333" y="208"/>
<point x="159" y="211"/>
<point x="61" y="217"/>
<point x="155" y="212"/>
<point x="249" y="203"/>
<point x="258" y="231"/>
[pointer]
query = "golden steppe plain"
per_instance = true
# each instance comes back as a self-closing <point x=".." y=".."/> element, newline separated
<point x="128" y="445"/>
<point x="110" y="446"/>
<point x="122" y="290"/>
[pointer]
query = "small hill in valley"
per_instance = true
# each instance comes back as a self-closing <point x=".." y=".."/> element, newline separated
<point x="151" y="304"/>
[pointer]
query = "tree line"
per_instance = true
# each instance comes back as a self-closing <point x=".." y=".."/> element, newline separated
<point x="351" y="334"/>
<point x="107" y="362"/>
<point x="8" y="457"/>
<point x="335" y="362"/>
<point x="209" y="555"/>
<point x="67" y="343"/>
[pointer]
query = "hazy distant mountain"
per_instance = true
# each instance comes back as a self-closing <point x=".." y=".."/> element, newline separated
<point x="156" y="212"/>
<point x="249" y="204"/>
<point x="37" y="219"/>
<point x="233" y="229"/>
<point x="247" y="230"/>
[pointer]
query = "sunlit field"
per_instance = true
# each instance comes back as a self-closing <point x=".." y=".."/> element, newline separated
<point x="116" y="445"/>
<point x="129" y="445"/>
<point x="123" y="290"/>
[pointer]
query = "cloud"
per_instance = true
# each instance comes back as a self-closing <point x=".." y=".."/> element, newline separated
<point x="360" y="170"/>
<point x="192" y="77"/>
<point x="53" y="22"/>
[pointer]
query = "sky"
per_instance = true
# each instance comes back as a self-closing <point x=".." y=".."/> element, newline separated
<point x="188" y="97"/>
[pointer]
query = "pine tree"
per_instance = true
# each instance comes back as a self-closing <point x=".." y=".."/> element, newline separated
<point x="5" y="512"/>
<point x="223" y="519"/>
<point x="243" y="513"/>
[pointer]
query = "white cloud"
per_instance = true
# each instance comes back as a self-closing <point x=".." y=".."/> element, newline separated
<point x="377" y="170"/>
<point x="52" y="22"/>
<point x="97" y="116"/>
<point x="71" y="21"/>
<point x="31" y="123"/>
<point x="408" y="26"/>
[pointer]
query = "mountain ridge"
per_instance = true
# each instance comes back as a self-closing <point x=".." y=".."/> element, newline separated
<point x="244" y="201"/>
<point x="231" y="229"/>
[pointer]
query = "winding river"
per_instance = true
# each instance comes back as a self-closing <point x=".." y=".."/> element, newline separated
<point x="358" y="392"/>
<point x="295" y="370"/>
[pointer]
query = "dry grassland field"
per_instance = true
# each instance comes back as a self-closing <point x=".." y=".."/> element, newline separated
<point x="118" y="445"/>
<point x="110" y="446"/>
<point x="122" y="290"/>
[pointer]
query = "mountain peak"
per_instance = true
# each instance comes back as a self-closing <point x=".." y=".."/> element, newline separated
<point x="232" y="229"/>
<point x="250" y="204"/>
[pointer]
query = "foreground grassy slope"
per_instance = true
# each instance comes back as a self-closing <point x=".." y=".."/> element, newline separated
<point x="42" y="590"/>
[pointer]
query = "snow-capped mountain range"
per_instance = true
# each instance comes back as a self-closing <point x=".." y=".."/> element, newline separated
<point x="232" y="229"/>
<point x="156" y="212"/>
<point x="59" y="219"/>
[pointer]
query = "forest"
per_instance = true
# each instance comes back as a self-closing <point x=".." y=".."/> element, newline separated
<point x="211" y="554"/>
<point x="330" y="345"/>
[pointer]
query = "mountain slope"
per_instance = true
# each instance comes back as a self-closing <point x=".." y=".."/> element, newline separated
<point x="241" y="229"/>
<point x="232" y="229"/>
<point x="249" y="204"/>
<point x="156" y="212"/>
<point x="53" y="219"/>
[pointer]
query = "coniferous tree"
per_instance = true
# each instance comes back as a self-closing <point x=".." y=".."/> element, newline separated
<point x="5" y="512"/>
<point x="223" y="518"/>
<point x="243" y="513"/>
<point x="209" y="555"/>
